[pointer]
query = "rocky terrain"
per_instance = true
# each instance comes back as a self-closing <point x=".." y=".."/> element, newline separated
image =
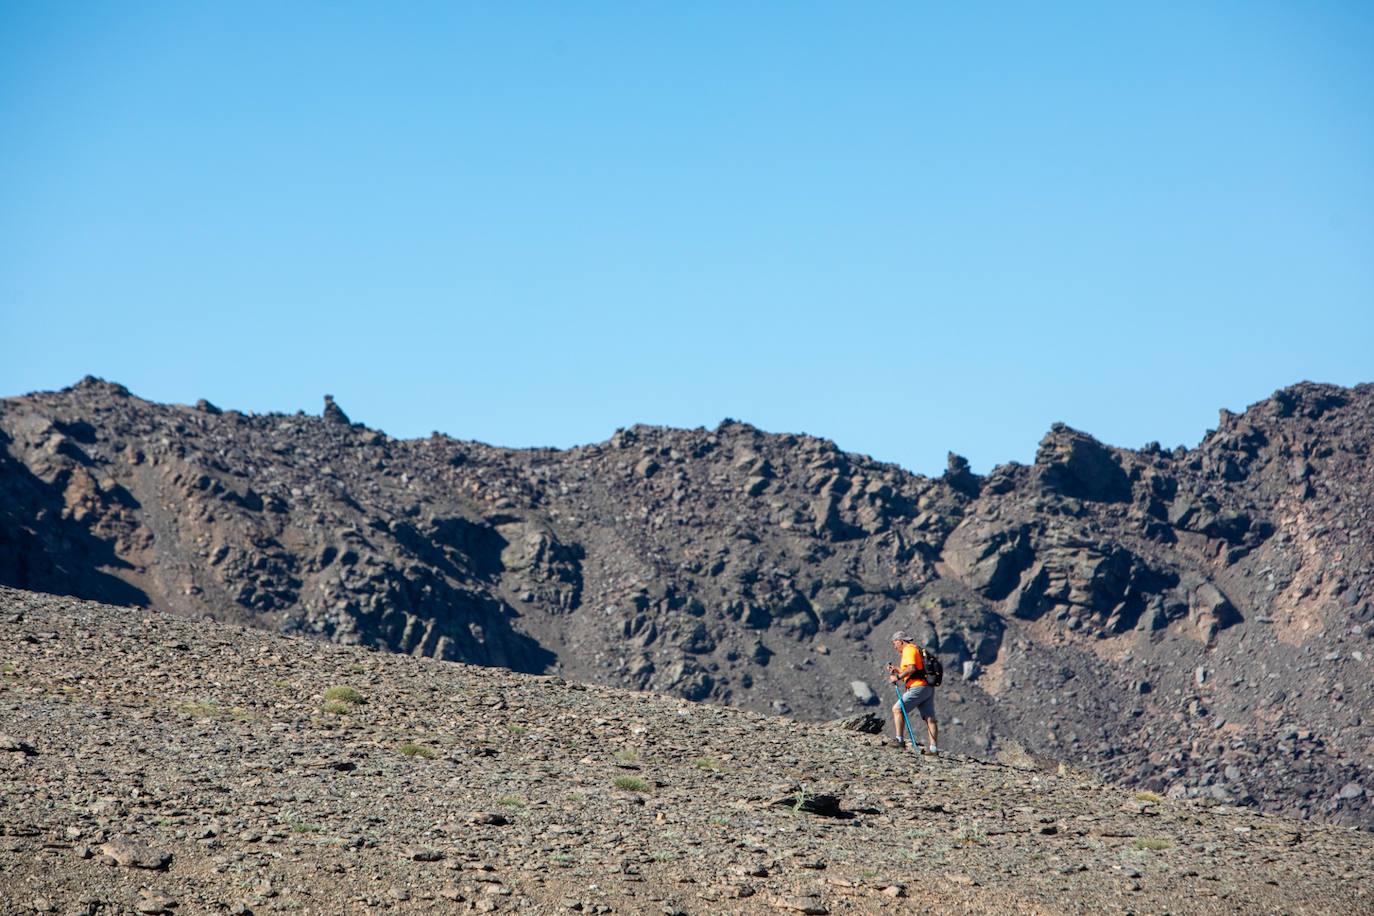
<point x="158" y="765"/>
<point x="1193" y="622"/>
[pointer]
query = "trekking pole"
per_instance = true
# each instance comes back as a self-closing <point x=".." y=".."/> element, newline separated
<point x="905" y="718"/>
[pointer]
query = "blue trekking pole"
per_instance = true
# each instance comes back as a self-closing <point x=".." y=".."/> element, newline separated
<point x="905" y="718"/>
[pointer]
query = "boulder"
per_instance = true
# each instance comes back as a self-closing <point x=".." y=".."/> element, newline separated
<point x="1075" y="464"/>
<point x="1208" y="607"/>
<point x="863" y="693"/>
<point x="697" y="640"/>
<point x="798" y="798"/>
<point x="989" y="560"/>
<point x="689" y="680"/>
<point x="133" y="854"/>
<point x="865" y="722"/>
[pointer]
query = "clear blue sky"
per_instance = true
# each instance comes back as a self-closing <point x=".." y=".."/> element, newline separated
<point x="912" y="228"/>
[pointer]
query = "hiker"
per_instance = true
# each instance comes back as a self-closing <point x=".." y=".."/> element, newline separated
<point x="918" y="694"/>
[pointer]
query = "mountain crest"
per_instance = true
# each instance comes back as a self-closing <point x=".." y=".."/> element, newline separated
<point x="1137" y="612"/>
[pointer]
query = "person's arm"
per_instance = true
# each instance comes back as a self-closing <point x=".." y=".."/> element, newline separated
<point x="906" y="671"/>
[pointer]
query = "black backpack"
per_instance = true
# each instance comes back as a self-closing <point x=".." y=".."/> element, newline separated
<point x="935" y="672"/>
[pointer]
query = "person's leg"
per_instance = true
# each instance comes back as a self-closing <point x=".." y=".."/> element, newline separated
<point x="902" y="710"/>
<point x="926" y="707"/>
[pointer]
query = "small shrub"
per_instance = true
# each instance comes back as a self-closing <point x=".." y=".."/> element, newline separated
<point x="631" y="784"/>
<point x="335" y="707"/>
<point x="969" y="833"/>
<point x="511" y="801"/>
<point x="417" y="750"/>
<point x="1156" y="843"/>
<point x="628" y="755"/>
<point x="709" y="763"/>
<point x="1153" y="798"/>
<point x="516" y="728"/>
<point x="343" y="695"/>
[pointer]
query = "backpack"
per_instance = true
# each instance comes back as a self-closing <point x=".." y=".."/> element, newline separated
<point x="935" y="672"/>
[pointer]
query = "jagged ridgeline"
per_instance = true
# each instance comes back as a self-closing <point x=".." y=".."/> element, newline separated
<point x="1192" y="621"/>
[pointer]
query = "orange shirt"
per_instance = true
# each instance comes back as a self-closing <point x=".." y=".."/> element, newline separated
<point x="911" y="655"/>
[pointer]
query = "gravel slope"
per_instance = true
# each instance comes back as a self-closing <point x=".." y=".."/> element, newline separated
<point x="153" y="764"/>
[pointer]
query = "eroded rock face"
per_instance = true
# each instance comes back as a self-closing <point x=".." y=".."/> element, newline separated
<point x="767" y="571"/>
<point x="1075" y="464"/>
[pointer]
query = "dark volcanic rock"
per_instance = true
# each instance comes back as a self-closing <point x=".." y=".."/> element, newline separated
<point x="1075" y="464"/>
<point x="1074" y="602"/>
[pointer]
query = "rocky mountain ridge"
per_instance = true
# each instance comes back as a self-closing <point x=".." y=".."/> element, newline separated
<point x="1193" y="622"/>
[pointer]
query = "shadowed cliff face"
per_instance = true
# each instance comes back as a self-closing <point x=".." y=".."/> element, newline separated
<point x="1194" y="621"/>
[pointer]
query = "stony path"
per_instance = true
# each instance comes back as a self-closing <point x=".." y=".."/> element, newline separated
<point x="150" y="764"/>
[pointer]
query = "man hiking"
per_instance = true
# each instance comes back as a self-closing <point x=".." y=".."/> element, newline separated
<point x="918" y="695"/>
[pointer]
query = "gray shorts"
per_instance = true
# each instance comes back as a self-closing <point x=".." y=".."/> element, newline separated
<point x="921" y="698"/>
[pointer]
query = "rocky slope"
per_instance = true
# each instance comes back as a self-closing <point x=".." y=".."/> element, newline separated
<point x="154" y="764"/>
<point x="1195" y="622"/>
